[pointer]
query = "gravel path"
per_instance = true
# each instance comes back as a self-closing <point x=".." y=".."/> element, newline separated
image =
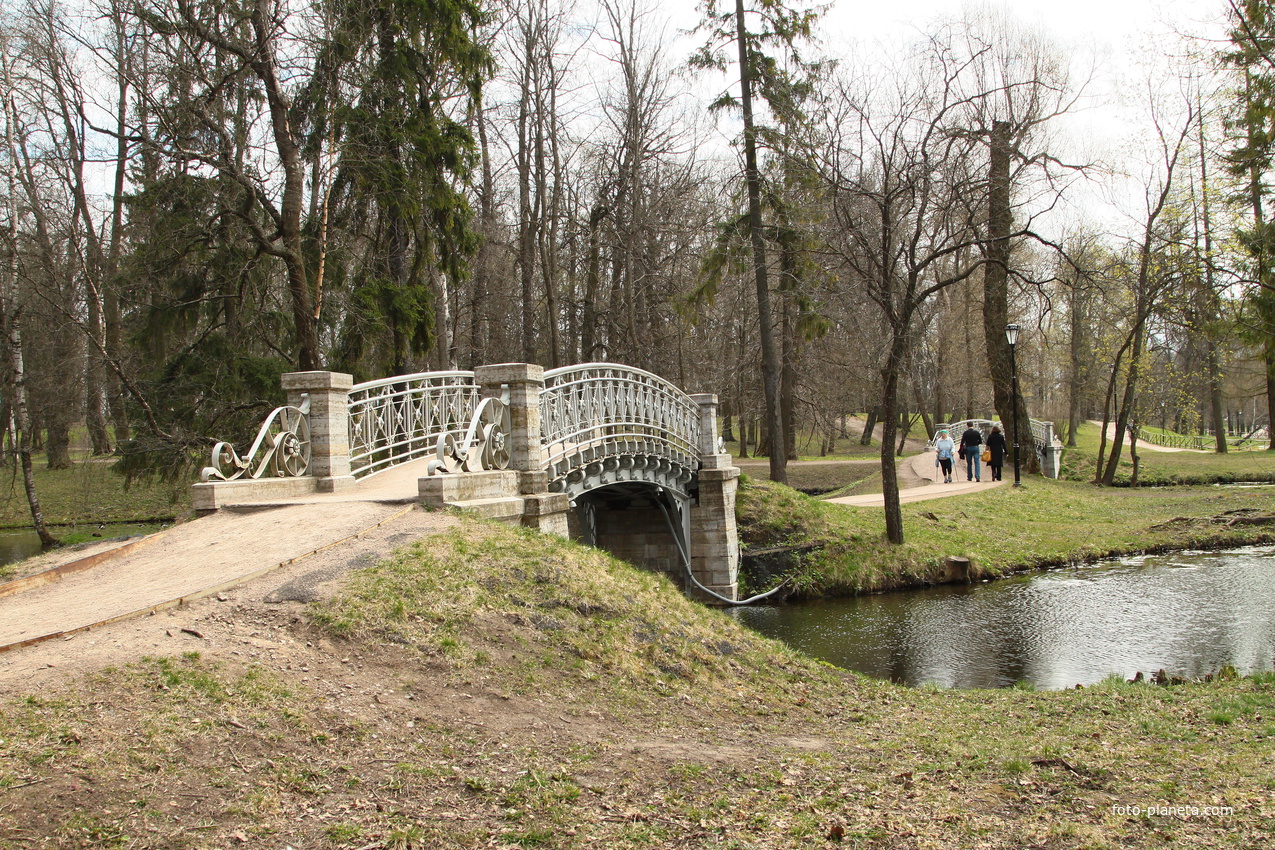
<point x="918" y="482"/>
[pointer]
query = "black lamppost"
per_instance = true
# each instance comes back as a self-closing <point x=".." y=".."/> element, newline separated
<point x="1011" y="335"/>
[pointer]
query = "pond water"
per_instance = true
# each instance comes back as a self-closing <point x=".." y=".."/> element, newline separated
<point x="1190" y="613"/>
<point x="16" y="545"/>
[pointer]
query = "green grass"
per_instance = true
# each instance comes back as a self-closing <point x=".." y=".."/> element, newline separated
<point x="831" y="478"/>
<point x="86" y="494"/>
<point x="843" y="448"/>
<point x="1158" y="468"/>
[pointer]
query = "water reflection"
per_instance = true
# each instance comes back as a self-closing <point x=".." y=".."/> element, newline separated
<point x="1189" y="613"/>
<point x="16" y="545"/>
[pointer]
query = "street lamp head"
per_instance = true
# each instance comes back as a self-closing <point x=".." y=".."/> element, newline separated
<point x="1011" y="334"/>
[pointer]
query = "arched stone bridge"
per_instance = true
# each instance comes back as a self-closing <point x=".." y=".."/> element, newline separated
<point x="613" y="455"/>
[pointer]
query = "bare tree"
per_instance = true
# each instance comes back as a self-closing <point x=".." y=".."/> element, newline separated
<point x="898" y="183"/>
<point x="1149" y="282"/>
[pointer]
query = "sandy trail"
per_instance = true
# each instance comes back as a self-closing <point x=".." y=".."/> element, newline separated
<point x="1143" y="445"/>
<point x="918" y="481"/>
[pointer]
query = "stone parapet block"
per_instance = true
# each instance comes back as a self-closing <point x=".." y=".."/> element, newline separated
<point x="329" y="418"/>
<point x="716" y="461"/>
<point x="719" y="473"/>
<point x="525" y="381"/>
<point x="550" y="523"/>
<point x="438" y="490"/>
<point x="543" y="504"/>
<point x="336" y="483"/>
<point x="534" y="481"/>
<point x="303" y="382"/>
<point x="209" y="496"/>
<point x="508" y="373"/>
<point x="505" y="509"/>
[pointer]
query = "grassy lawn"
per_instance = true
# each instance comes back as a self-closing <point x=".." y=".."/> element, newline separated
<point x="503" y="689"/>
<point x="1161" y="468"/>
<point x="809" y="446"/>
<point x="816" y="478"/>
<point x="86" y="494"/>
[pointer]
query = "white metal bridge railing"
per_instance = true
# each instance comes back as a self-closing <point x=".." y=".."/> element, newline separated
<point x="1042" y="431"/>
<point x="1200" y="442"/>
<point x="600" y="423"/>
<point x="603" y="421"/>
<point x="394" y="420"/>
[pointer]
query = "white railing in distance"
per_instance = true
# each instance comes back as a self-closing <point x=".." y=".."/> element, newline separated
<point x="1042" y="431"/>
<point x="395" y="420"/>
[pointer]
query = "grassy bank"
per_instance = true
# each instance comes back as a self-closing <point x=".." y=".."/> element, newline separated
<point x="1001" y="530"/>
<point x="86" y="494"/>
<point x="1158" y="468"/>
<point x="501" y="689"/>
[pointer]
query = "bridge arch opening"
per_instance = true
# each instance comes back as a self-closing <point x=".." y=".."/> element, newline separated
<point x="635" y="521"/>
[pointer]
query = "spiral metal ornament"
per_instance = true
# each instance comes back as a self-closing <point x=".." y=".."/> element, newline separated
<point x="484" y="446"/>
<point x="281" y="449"/>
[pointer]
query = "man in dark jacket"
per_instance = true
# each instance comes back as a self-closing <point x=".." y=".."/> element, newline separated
<point x="971" y="442"/>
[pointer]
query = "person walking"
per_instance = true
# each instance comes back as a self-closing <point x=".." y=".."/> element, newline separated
<point x="944" y="448"/>
<point x="996" y="445"/>
<point x="970" y="442"/>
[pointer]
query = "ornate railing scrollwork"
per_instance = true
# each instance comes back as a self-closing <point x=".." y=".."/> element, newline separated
<point x="605" y="423"/>
<point x="484" y="446"/>
<point x="281" y="450"/>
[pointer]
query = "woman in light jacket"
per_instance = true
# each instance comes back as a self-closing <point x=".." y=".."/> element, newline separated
<point x="943" y="449"/>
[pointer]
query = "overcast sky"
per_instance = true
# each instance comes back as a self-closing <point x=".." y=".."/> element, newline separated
<point x="1117" y="44"/>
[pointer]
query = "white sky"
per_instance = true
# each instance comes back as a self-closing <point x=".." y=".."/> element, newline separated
<point x="1118" y="44"/>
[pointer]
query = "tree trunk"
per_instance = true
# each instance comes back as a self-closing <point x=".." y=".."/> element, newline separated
<point x="1124" y="413"/>
<point x="996" y="291"/>
<point x="889" y="425"/>
<point x="788" y="380"/>
<point x="905" y="428"/>
<point x="1133" y="456"/>
<point x="1215" y="308"/>
<point x="926" y="421"/>
<point x="769" y="354"/>
<point x="290" y="205"/>
<point x="11" y="315"/>
<point x="866" y="438"/>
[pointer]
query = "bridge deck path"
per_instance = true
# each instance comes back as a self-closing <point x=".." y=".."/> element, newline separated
<point x="206" y="555"/>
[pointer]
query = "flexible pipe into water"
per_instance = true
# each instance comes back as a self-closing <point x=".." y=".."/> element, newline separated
<point x="686" y="562"/>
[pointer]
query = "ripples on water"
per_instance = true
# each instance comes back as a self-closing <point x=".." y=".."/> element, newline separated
<point x="1190" y="613"/>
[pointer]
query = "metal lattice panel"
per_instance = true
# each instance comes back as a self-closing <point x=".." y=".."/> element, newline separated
<point x="602" y="423"/>
<point x="394" y="420"/>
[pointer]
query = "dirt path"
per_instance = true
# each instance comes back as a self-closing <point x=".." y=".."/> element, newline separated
<point x="1143" y="445"/>
<point x="193" y="562"/>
